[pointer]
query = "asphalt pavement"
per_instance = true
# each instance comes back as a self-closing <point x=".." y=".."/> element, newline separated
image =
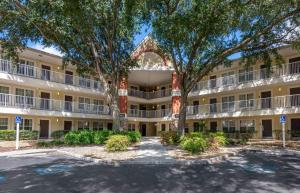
<point x="45" y="172"/>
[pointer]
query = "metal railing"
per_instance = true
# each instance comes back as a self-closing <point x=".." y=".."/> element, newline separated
<point x="150" y="95"/>
<point x="25" y="102"/>
<point x="149" y="113"/>
<point x="288" y="101"/>
<point x="249" y="76"/>
<point x="48" y="75"/>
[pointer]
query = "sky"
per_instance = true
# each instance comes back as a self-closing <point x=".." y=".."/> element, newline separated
<point x="145" y="30"/>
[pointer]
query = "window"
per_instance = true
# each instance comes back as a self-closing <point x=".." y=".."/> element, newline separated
<point x="25" y="68"/>
<point x="228" y="78"/>
<point x="97" y="126"/>
<point x="246" y="101"/>
<point x="3" y="123"/>
<point x="163" y="127"/>
<point x="97" y="84"/>
<point x="26" y="124"/>
<point x="98" y="106"/>
<point x="131" y="127"/>
<point x="84" y="81"/>
<point x="246" y="75"/>
<point x="84" y="104"/>
<point x="247" y="126"/>
<point x="24" y="97"/>
<point x="4" y="97"/>
<point x="228" y="104"/>
<point x="83" y="125"/>
<point x="228" y="126"/>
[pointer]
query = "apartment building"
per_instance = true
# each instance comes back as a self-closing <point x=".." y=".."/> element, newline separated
<point x="229" y="99"/>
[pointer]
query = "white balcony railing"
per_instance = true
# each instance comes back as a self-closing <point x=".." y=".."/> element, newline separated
<point x="150" y="95"/>
<point x="25" y="102"/>
<point x="149" y="113"/>
<point x="245" y="77"/>
<point x="289" y="101"/>
<point x="48" y="75"/>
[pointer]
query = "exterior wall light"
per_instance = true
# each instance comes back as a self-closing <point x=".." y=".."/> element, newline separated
<point x="279" y="89"/>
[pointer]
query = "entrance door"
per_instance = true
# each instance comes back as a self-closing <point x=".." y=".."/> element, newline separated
<point x="45" y="100"/>
<point x="69" y="77"/>
<point x="68" y="103"/>
<point x="213" y="105"/>
<point x="163" y="110"/>
<point x="213" y="126"/>
<point x="294" y="65"/>
<point x="265" y="100"/>
<point x="212" y="81"/>
<point x="295" y="128"/>
<point x="144" y="130"/>
<point x="267" y="128"/>
<point x="67" y="125"/>
<point x="195" y="107"/>
<point x="44" y="128"/>
<point x="45" y="75"/>
<point x="109" y="126"/>
<point x="264" y="74"/>
<point x="295" y="98"/>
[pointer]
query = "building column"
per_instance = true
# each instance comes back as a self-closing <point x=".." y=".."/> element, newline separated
<point x="123" y="92"/>
<point x="175" y="100"/>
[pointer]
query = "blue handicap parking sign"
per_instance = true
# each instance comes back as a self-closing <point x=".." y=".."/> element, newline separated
<point x="18" y="119"/>
<point x="282" y="118"/>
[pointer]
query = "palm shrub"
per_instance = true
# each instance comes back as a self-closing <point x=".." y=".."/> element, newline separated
<point x="217" y="140"/>
<point x="86" y="137"/>
<point x="170" y="137"/>
<point x="194" y="143"/>
<point x="58" y="134"/>
<point x="10" y="135"/>
<point x="101" y="136"/>
<point x="117" y="143"/>
<point x="72" y="138"/>
<point x="133" y="136"/>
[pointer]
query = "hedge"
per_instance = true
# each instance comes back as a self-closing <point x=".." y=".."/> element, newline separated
<point x="10" y="135"/>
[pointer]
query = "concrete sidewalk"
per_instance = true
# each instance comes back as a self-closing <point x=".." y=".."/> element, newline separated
<point x="26" y="152"/>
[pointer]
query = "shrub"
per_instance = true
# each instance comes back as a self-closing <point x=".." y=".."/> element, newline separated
<point x="133" y="136"/>
<point x="10" y="135"/>
<point x="58" y="134"/>
<point x="117" y="143"/>
<point x="170" y="137"/>
<point x="101" y="136"/>
<point x="86" y="137"/>
<point x="217" y="140"/>
<point x="72" y="138"/>
<point x="194" y="144"/>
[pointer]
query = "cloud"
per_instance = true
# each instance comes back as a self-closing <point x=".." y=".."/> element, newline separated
<point x="50" y="50"/>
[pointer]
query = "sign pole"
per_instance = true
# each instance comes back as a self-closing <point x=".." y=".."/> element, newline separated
<point x="17" y="137"/>
<point x="283" y="135"/>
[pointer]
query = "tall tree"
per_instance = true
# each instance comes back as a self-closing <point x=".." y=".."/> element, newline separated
<point x="200" y="35"/>
<point x="96" y="36"/>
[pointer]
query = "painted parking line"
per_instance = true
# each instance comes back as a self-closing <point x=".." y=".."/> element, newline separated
<point x="54" y="169"/>
<point x="2" y="179"/>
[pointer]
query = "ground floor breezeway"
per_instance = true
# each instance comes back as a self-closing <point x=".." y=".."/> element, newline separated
<point x="268" y="127"/>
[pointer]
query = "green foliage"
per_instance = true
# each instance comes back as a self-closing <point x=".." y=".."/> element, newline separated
<point x="58" y="134"/>
<point x="101" y="136"/>
<point x="134" y="136"/>
<point x="170" y="137"/>
<point x="194" y="143"/>
<point x="10" y="135"/>
<point x="117" y="143"/>
<point x="72" y="138"/>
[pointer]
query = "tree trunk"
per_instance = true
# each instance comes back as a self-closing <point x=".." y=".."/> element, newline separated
<point x="115" y="106"/>
<point x="182" y="113"/>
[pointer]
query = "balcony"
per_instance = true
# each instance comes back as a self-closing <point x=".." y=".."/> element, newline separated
<point x="149" y="113"/>
<point x="24" y="102"/>
<point x="150" y="95"/>
<point x="48" y="75"/>
<point x="250" y="106"/>
<point x="247" y="77"/>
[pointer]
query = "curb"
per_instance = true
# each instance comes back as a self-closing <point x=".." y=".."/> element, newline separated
<point x="208" y="161"/>
<point x="24" y="152"/>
